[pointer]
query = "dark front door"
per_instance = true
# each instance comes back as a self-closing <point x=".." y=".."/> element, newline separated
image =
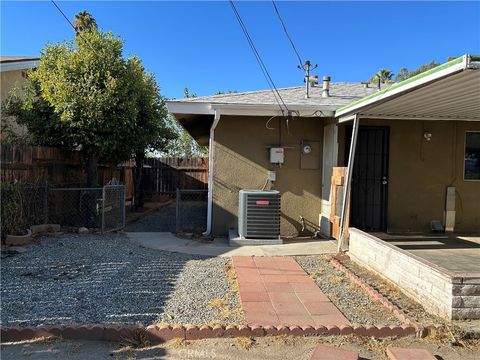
<point x="368" y="205"/>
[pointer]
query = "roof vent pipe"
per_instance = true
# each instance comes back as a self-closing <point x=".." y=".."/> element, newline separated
<point x="326" y="86"/>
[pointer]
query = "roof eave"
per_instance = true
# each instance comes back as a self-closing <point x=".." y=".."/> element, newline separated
<point x="439" y="72"/>
<point x="18" y="65"/>
<point x="201" y="108"/>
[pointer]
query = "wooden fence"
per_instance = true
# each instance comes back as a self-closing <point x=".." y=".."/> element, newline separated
<point x="34" y="164"/>
<point x="165" y="175"/>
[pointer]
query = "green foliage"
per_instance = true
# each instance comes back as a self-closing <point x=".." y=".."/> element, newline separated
<point x="86" y="95"/>
<point x="11" y="209"/>
<point x="404" y="73"/>
<point x="84" y="21"/>
<point x="221" y="92"/>
<point x="183" y="145"/>
<point x="384" y="75"/>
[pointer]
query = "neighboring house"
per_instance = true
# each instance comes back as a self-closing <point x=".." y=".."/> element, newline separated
<point x="13" y="70"/>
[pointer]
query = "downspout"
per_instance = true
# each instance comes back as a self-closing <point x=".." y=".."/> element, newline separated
<point x="211" y="143"/>
<point x="348" y="182"/>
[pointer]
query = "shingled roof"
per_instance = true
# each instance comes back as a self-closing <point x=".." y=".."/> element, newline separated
<point x="341" y="93"/>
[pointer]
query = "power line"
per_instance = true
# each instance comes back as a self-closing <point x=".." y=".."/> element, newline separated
<point x="276" y="93"/>
<point x="73" y="26"/>
<point x="63" y="14"/>
<point x="286" y="33"/>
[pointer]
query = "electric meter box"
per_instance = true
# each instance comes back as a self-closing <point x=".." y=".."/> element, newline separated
<point x="277" y="155"/>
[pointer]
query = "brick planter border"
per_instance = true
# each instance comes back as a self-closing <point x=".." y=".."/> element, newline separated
<point x="158" y="334"/>
<point x="371" y="291"/>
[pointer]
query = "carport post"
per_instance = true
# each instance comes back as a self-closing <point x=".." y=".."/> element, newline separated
<point x="347" y="185"/>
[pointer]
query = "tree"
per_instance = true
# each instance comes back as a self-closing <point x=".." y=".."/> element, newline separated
<point x="151" y="130"/>
<point x="84" y="21"/>
<point x="183" y="145"/>
<point x="383" y="75"/>
<point x="83" y="92"/>
<point x="403" y="74"/>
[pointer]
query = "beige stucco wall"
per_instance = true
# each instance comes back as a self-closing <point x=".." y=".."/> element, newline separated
<point x="421" y="171"/>
<point x="10" y="80"/>
<point x="241" y="161"/>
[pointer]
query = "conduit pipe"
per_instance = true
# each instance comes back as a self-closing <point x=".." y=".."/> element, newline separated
<point x="211" y="144"/>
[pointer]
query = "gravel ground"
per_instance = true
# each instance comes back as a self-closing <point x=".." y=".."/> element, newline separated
<point x="393" y="293"/>
<point x="350" y="299"/>
<point x="193" y="218"/>
<point x="107" y="278"/>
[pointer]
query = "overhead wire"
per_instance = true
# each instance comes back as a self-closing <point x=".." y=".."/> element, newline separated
<point x="73" y="26"/>
<point x="271" y="83"/>
<point x="287" y="34"/>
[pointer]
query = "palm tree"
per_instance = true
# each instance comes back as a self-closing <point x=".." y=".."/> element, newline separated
<point x="383" y="75"/>
<point x="84" y="21"/>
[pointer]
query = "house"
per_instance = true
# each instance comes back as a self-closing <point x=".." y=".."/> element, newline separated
<point x="241" y="129"/>
<point x="408" y="156"/>
<point x="13" y="72"/>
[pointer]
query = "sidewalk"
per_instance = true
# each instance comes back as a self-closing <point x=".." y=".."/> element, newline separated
<point x="219" y="247"/>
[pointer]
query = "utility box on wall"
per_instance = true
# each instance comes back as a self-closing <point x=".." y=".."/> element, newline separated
<point x="277" y="155"/>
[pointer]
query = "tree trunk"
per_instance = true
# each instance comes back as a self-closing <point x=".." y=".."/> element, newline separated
<point x="92" y="171"/>
<point x="138" y="194"/>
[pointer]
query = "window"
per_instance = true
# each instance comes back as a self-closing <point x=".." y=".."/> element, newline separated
<point x="472" y="155"/>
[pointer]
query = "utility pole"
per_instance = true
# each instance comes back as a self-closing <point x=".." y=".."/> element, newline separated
<point x="307" y="67"/>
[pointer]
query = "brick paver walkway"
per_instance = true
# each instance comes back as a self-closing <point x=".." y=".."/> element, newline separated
<point x="276" y="291"/>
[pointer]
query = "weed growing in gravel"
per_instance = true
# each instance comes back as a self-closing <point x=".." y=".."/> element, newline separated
<point x="336" y="279"/>
<point x="217" y="304"/>
<point x="245" y="342"/>
<point x="137" y="340"/>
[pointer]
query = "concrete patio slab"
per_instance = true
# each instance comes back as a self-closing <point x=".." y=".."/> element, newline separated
<point x="219" y="246"/>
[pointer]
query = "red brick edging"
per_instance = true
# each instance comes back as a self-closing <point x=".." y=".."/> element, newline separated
<point x="378" y="297"/>
<point x="158" y="334"/>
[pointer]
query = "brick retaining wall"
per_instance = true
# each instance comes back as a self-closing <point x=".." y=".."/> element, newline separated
<point x="446" y="294"/>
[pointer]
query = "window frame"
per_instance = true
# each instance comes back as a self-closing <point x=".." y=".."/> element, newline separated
<point x="464" y="151"/>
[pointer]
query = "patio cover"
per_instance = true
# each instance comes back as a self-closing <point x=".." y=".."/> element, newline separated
<point x="450" y="91"/>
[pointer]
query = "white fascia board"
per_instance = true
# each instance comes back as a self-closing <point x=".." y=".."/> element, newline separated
<point x="347" y="118"/>
<point x="177" y="107"/>
<point x="19" y="65"/>
<point x="362" y="105"/>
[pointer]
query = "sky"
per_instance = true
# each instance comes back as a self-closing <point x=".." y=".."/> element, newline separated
<point x="200" y="44"/>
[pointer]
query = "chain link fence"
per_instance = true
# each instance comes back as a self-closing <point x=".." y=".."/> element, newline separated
<point x="191" y="211"/>
<point x="24" y="205"/>
<point x="113" y="208"/>
<point x="76" y="207"/>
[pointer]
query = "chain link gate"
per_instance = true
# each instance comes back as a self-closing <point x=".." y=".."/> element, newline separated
<point x="191" y="211"/>
<point x="113" y="208"/>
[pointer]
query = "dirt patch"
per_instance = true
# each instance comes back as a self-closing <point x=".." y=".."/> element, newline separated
<point x="394" y="294"/>
<point x="268" y="348"/>
<point x="350" y="299"/>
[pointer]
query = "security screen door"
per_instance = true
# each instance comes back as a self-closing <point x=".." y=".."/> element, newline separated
<point x="368" y="209"/>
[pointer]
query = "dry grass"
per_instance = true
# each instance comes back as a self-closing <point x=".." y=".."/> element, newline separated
<point x="245" y="342"/>
<point x="217" y="304"/>
<point x="176" y="343"/>
<point x="336" y="279"/>
<point x="137" y="340"/>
